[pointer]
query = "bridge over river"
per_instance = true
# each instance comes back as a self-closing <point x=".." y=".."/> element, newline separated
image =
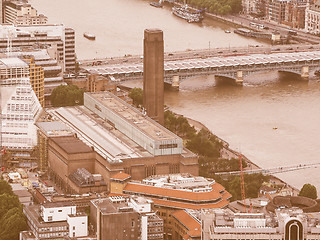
<point x="273" y="170"/>
<point x="232" y="66"/>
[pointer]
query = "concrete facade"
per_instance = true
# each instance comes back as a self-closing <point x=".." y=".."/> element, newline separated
<point x="153" y="74"/>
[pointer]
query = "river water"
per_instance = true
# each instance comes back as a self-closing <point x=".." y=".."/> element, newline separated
<point x="272" y="120"/>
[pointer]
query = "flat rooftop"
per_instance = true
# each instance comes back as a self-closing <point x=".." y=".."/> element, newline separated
<point x="134" y="116"/>
<point x="12" y="63"/>
<point x="71" y="144"/>
<point x="95" y="131"/>
<point x="107" y="206"/>
<point x="54" y="128"/>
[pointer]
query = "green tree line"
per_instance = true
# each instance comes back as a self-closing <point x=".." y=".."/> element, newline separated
<point x="208" y="147"/>
<point x="221" y="7"/>
<point x="12" y="219"/>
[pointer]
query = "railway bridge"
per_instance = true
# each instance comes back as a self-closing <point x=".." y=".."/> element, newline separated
<point x="236" y="67"/>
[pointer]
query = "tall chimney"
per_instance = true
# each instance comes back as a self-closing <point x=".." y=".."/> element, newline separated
<point x="153" y="74"/>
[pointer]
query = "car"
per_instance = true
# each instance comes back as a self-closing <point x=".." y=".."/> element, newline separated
<point x="311" y="47"/>
<point x="235" y="51"/>
<point x="220" y="52"/>
<point x="290" y="48"/>
<point x="170" y="54"/>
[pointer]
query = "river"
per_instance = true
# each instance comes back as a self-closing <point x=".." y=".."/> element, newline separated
<point x="272" y="120"/>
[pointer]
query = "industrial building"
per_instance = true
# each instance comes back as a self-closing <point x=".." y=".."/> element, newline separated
<point x="112" y="136"/>
<point x="45" y="131"/>
<point x="20" y="107"/>
<point x="153" y="74"/>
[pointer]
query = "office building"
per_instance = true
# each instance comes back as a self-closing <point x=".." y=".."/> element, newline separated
<point x="45" y="36"/>
<point x="125" y="218"/>
<point x="153" y="74"/>
<point x="56" y="221"/>
<point x="174" y="192"/>
<point x="45" y="71"/>
<point x="21" y="13"/>
<point x="312" y="19"/>
<point x="20" y="107"/>
<point x="285" y="223"/>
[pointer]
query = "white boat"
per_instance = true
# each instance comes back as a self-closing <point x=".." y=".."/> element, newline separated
<point x="89" y="36"/>
<point x="184" y="13"/>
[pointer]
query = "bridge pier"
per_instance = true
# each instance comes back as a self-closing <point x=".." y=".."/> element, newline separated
<point x="305" y="72"/>
<point x="239" y="78"/>
<point x="175" y="82"/>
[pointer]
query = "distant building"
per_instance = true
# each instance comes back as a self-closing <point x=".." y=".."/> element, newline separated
<point x="19" y="105"/>
<point x="58" y="36"/>
<point x="125" y="218"/>
<point x="290" y="13"/>
<point x="21" y="13"/>
<point x="312" y="20"/>
<point x="288" y="223"/>
<point x="56" y="220"/>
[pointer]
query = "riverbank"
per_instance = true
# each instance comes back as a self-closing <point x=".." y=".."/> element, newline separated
<point x="229" y="153"/>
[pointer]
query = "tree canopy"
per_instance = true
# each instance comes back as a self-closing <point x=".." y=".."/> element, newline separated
<point x="66" y="95"/>
<point x="308" y="190"/>
<point x="217" y="6"/>
<point x="12" y="219"/>
<point x="137" y="96"/>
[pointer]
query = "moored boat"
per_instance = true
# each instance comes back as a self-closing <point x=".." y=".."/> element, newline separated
<point x="89" y="36"/>
<point x="184" y="13"/>
<point x="155" y="4"/>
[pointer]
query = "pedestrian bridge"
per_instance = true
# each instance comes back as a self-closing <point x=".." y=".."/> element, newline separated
<point x="236" y="67"/>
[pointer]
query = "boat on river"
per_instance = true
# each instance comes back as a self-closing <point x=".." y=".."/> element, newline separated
<point x="184" y="13"/>
<point x="155" y="4"/>
<point x="89" y="36"/>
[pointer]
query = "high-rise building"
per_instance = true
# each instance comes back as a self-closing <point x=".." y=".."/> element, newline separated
<point x="153" y="74"/>
<point x="20" y="107"/>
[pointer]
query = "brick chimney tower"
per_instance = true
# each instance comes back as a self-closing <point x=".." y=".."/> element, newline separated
<point x="153" y="74"/>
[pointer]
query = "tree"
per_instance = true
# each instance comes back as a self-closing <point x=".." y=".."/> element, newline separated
<point x="308" y="190"/>
<point x="5" y="188"/>
<point x="137" y="96"/>
<point x="12" y="223"/>
<point x="66" y="95"/>
<point x="8" y="201"/>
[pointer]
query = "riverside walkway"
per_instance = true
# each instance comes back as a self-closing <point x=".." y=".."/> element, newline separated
<point x="228" y="66"/>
